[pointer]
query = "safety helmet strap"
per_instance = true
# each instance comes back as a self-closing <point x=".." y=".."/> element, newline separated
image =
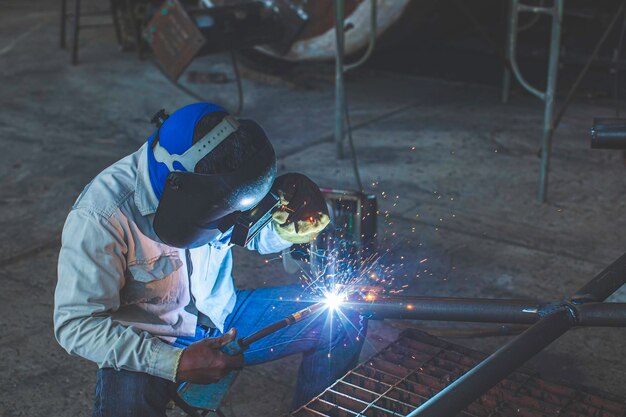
<point x="200" y="149"/>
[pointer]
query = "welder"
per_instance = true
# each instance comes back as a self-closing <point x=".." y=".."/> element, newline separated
<point x="144" y="276"/>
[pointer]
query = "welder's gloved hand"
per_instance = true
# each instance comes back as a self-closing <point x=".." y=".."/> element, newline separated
<point x="203" y="362"/>
<point x="303" y="213"/>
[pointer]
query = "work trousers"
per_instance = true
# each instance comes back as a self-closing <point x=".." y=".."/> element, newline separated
<point x="330" y="344"/>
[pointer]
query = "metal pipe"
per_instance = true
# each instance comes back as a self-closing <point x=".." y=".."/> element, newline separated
<point x="605" y="283"/>
<point x="601" y="314"/>
<point x="462" y="392"/>
<point x="548" y="128"/>
<point x="556" y="11"/>
<point x="450" y="309"/>
<point x="339" y="85"/>
<point x="483" y="310"/>
<point x="512" y="50"/>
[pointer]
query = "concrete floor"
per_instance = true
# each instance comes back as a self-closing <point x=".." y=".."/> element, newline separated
<point x="455" y="172"/>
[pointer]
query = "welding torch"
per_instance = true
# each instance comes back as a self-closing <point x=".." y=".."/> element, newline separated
<point x="190" y="396"/>
<point x="240" y="345"/>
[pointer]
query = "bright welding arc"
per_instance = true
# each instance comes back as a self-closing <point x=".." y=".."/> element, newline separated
<point x="334" y="300"/>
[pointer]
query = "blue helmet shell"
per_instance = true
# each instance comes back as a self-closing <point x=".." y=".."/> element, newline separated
<point x="176" y="136"/>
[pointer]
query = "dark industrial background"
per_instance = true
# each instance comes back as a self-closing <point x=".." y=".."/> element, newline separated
<point x="455" y="173"/>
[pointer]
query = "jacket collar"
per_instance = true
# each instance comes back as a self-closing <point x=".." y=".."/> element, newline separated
<point x="145" y="199"/>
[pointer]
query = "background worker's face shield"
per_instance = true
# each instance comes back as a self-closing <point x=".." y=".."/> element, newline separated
<point x="194" y="205"/>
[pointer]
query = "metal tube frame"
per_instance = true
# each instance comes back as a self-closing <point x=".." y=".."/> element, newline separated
<point x="547" y="96"/>
<point x="550" y="120"/>
<point x="454" y="397"/>
<point x="483" y="310"/>
<point x="585" y="308"/>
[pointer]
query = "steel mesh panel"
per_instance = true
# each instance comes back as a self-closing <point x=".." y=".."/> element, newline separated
<point x="417" y="366"/>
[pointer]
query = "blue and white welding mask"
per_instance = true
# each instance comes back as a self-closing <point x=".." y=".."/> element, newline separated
<point x="195" y="208"/>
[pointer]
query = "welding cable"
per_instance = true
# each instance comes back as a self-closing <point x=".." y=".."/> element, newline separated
<point x="245" y="342"/>
<point x="234" y="63"/>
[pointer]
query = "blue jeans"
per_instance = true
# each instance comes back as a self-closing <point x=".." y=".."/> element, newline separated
<point x="329" y="348"/>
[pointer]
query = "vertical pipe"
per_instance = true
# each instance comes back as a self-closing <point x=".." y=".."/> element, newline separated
<point x="75" y="30"/>
<point x="510" y="38"/>
<point x="63" y="18"/>
<point x="339" y="84"/>
<point x="478" y="380"/>
<point x="548" y="129"/>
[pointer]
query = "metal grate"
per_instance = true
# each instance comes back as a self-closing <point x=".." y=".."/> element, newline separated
<point x="417" y="366"/>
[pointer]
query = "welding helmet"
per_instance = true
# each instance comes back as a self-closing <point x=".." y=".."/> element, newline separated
<point x="195" y="208"/>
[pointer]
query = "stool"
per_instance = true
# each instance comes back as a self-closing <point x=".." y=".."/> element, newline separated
<point x="76" y="26"/>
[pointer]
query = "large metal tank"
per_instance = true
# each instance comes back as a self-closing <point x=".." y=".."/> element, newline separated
<point x="316" y="41"/>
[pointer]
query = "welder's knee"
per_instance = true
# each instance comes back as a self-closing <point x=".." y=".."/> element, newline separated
<point x="129" y="394"/>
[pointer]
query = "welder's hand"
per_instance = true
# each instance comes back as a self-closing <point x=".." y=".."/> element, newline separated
<point x="204" y="363"/>
<point x="303" y="213"/>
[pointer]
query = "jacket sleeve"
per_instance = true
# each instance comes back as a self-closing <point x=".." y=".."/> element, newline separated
<point x="90" y="275"/>
<point x="268" y="241"/>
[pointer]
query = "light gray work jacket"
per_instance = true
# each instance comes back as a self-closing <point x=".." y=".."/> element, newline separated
<point x="121" y="292"/>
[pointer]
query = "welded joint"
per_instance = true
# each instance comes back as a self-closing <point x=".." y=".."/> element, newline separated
<point x="582" y="299"/>
<point x="566" y="305"/>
